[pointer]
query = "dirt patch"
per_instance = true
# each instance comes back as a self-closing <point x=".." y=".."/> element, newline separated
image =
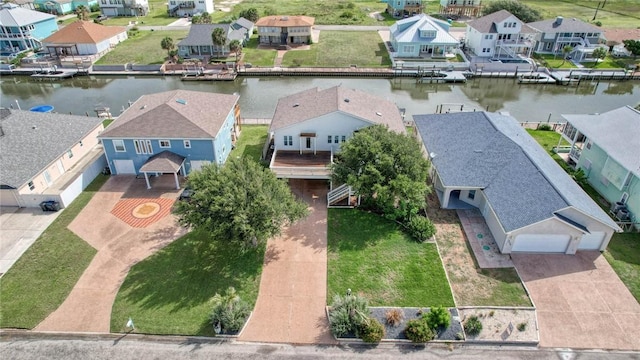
<point x="508" y="325"/>
<point x="227" y="5"/>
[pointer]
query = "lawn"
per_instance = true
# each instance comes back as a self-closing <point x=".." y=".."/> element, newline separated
<point x="157" y="16"/>
<point x="554" y="61"/>
<point x="548" y="139"/>
<point x="342" y="49"/>
<point x="143" y="48"/>
<point x="615" y="14"/>
<point x="610" y="62"/>
<point x="170" y="292"/>
<point x="39" y="282"/>
<point x="623" y="254"/>
<point x="258" y="57"/>
<point x="371" y="256"/>
<point x="251" y="141"/>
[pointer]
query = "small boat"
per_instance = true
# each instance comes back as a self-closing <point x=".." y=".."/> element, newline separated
<point x="42" y="108"/>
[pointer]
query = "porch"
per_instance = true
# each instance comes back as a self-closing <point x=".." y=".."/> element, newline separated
<point x="305" y="165"/>
<point x="452" y="202"/>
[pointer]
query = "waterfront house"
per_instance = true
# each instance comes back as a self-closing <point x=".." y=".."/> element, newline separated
<point x="469" y="8"/>
<point x="61" y="7"/>
<point x="308" y="128"/>
<point x="404" y="8"/>
<point x="22" y="29"/>
<point x="422" y="36"/>
<point x="26" y="4"/>
<point x="606" y="147"/>
<point x="199" y="44"/>
<point x="487" y="161"/>
<point x="173" y="132"/>
<point x="285" y="30"/>
<point x="47" y="156"/>
<point x="84" y="38"/>
<point x="124" y="7"/>
<point x="554" y="34"/>
<point x="499" y="35"/>
<point x="182" y="8"/>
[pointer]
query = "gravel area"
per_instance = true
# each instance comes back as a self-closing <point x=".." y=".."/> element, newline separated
<point x="501" y="325"/>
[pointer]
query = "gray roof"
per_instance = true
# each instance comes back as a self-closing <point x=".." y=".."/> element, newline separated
<point x="200" y="34"/>
<point x="314" y="103"/>
<point x="408" y="30"/>
<point x="13" y="15"/>
<point x="31" y="141"/>
<point x="523" y="184"/>
<point x="242" y="22"/>
<point x="486" y="24"/>
<point x="181" y="114"/>
<point x="567" y="25"/>
<point x="617" y="132"/>
<point x="164" y="162"/>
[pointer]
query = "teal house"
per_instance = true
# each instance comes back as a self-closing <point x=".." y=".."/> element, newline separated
<point x="404" y="8"/>
<point x="606" y="147"/>
<point x="23" y="29"/>
<point x="60" y="7"/>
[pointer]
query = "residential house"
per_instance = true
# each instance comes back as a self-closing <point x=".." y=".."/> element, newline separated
<point x="199" y="43"/>
<point x="124" y="7"/>
<point x="404" y="8"/>
<point x="471" y="8"/>
<point x="182" y="8"/>
<point x="499" y="35"/>
<point x="26" y="4"/>
<point x="47" y="156"/>
<point x="285" y="30"/>
<point x="61" y="7"/>
<point x="554" y="34"/>
<point x="489" y="162"/>
<point x="172" y="132"/>
<point x="615" y="38"/>
<point x="308" y="128"/>
<point x="84" y="38"/>
<point x="22" y="29"/>
<point x="422" y="36"/>
<point x="606" y="147"/>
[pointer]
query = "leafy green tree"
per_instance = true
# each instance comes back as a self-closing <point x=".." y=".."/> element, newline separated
<point x="239" y="201"/>
<point x="633" y="46"/>
<point x="82" y="13"/>
<point x="387" y="169"/>
<point x="205" y="18"/>
<point x="599" y="54"/>
<point x="219" y="38"/>
<point x="521" y="11"/>
<point x="566" y="50"/>
<point x="168" y="44"/>
<point x="250" y="14"/>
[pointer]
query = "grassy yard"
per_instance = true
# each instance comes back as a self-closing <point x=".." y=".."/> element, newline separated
<point x="553" y="62"/>
<point x="342" y="49"/>
<point x="615" y="14"/>
<point x="157" y="16"/>
<point x="258" y="57"/>
<point x="373" y="257"/>
<point x="170" y="292"/>
<point x="143" y="48"/>
<point x="43" y="277"/>
<point x="252" y="139"/>
<point x="623" y="254"/>
<point x="610" y="62"/>
<point x="548" y="139"/>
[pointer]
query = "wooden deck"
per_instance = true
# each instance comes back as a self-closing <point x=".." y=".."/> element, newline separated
<point x="292" y="164"/>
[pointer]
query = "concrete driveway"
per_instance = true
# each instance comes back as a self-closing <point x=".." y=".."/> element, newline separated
<point x="580" y="301"/>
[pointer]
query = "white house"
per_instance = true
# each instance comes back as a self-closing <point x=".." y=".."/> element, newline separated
<point x="84" y="38"/>
<point x="530" y="204"/>
<point x="124" y="7"/>
<point x="422" y="36"/>
<point x="182" y="8"/>
<point x="499" y="35"/>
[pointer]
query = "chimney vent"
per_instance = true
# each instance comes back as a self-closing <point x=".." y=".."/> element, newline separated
<point x="559" y="20"/>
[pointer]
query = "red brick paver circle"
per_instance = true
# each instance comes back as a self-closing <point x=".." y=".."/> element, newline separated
<point x="141" y="213"/>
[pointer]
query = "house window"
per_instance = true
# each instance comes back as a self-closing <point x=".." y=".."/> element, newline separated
<point x="31" y="185"/>
<point x="505" y="25"/>
<point x="80" y="143"/>
<point x="187" y="144"/>
<point x="165" y="144"/>
<point x="47" y="177"/>
<point x="472" y="194"/>
<point x="344" y="138"/>
<point x="69" y="153"/>
<point x="589" y="144"/>
<point x="336" y="139"/>
<point x="488" y="36"/>
<point x="408" y="48"/>
<point x="143" y="146"/>
<point x="329" y="139"/>
<point x="118" y="145"/>
<point x="288" y="140"/>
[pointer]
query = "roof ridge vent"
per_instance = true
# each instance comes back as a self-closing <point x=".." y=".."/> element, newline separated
<point x="378" y="113"/>
<point x="296" y="105"/>
<point x="346" y="100"/>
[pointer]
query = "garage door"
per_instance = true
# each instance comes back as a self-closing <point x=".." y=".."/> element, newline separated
<point x="124" y="167"/>
<point x="551" y="243"/>
<point x="198" y="164"/>
<point x="7" y="198"/>
<point x="591" y="241"/>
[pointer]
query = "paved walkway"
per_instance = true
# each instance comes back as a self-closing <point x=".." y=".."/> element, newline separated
<point x="119" y="245"/>
<point x="482" y="243"/>
<point x="292" y="298"/>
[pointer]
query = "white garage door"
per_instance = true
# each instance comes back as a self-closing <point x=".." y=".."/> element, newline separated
<point x="591" y="241"/>
<point x="198" y="164"/>
<point x="7" y="198"/>
<point x="551" y="243"/>
<point x="124" y="167"/>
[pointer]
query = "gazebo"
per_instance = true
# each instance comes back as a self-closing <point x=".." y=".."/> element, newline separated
<point x="164" y="163"/>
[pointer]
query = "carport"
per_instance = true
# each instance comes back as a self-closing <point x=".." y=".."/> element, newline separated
<point x="165" y="162"/>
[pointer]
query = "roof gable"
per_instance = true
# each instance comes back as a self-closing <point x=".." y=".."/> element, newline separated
<point x="200" y="34"/>
<point x="408" y="30"/>
<point x="486" y="24"/>
<point x="84" y="32"/>
<point x="564" y="25"/>
<point x="13" y="15"/>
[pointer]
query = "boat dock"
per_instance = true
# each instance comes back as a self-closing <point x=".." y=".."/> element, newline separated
<point x="210" y="77"/>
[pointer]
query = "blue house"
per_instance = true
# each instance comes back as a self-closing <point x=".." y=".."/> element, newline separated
<point x="22" y="29"/>
<point x="60" y="7"/>
<point x="422" y="36"/>
<point x="173" y="132"/>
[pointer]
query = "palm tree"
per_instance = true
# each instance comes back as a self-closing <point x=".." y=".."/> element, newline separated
<point x="236" y="47"/>
<point x="566" y="50"/>
<point x="599" y="53"/>
<point x="219" y="38"/>
<point x="168" y="44"/>
<point x="82" y="12"/>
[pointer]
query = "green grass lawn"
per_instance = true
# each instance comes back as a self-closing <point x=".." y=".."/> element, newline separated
<point x="157" y="16"/>
<point x="548" y="139"/>
<point x="615" y="14"/>
<point x="170" y="292"/>
<point x="610" y="62"/>
<point x="251" y="141"/>
<point x="371" y="256"/>
<point x="144" y="48"/>
<point x="41" y="279"/>
<point x="258" y="57"/>
<point x="342" y="49"/>
<point x="554" y="62"/>
<point x="623" y="254"/>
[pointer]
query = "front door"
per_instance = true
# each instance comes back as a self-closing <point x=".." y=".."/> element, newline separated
<point x="308" y="144"/>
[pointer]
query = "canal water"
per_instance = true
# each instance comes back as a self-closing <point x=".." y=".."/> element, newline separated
<point x="259" y="96"/>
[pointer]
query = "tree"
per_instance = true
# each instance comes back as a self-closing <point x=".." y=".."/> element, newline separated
<point x="633" y="46"/>
<point x="387" y="169"/>
<point x="168" y="44"/>
<point x="240" y="201"/>
<point x="598" y="54"/>
<point x="235" y="47"/>
<point x="204" y="18"/>
<point x="82" y="13"/>
<point x="219" y="38"/>
<point x="566" y="50"/>
<point x="518" y="9"/>
<point x="250" y="14"/>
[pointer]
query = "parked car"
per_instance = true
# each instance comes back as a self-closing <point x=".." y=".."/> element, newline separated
<point x="186" y="194"/>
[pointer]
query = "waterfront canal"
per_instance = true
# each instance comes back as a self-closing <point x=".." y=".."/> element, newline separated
<point x="258" y="96"/>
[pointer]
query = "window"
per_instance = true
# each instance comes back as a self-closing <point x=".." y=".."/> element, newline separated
<point x="589" y="144"/>
<point x="118" y="145"/>
<point x="504" y="25"/>
<point x="80" y="143"/>
<point x="143" y="146"/>
<point x="344" y="138"/>
<point x="408" y="48"/>
<point x="288" y="140"/>
<point x="31" y="185"/>
<point x="472" y="194"/>
<point x="69" y="153"/>
<point x="187" y="144"/>
<point x="165" y="144"/>
<point x="329" y="139"/>
<point x="336" y="139"/>
<point x="488" y="37"/>
<point x="47" y="177"/>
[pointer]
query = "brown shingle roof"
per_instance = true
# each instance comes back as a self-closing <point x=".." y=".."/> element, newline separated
<point x="174" y="114"/>
<point x="284" y="20"/>
<point x="617" y="35"/>
<point x="314" y="103"/>
<point x="84" y="32"/>
<point x="164" y="162"/>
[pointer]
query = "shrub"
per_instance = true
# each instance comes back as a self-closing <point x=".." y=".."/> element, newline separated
<point x="473" y="326"/>
<point x="491" y="313"/>
<point x="421" y="228"/>
<point x="418" y="331"/>
<point x="346" y="14"/>
<point x="394" y="317"/>
<point x="544" y="127"/>
<point x="438" y="317"/>
<point x="229" y="311"/>
<point x="459" y="336"/>
<point x="371" y="331"/>
<point x="522" y="326"/>
<point x="348" y="313"/>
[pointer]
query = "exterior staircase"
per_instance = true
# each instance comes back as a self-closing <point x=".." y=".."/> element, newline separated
<point x="335" y="196"/>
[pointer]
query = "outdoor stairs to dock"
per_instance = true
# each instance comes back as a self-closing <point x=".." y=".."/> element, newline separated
<point x="336" y="197"/>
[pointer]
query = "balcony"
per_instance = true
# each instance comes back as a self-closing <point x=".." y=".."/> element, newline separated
<point x="292" y="164"/>
<point x="514" y="43"/>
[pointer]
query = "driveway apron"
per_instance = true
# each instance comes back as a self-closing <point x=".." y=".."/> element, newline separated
<point x="292" y="298"/>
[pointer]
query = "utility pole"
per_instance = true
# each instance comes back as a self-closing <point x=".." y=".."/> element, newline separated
<point x="596" y="14"/>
